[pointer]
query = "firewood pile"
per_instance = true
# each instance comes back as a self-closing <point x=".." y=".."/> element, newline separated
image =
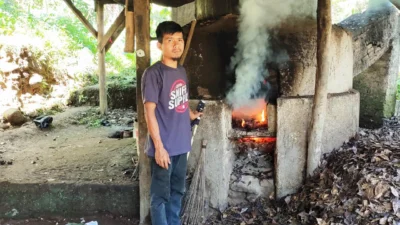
<point x="356" y="184"/>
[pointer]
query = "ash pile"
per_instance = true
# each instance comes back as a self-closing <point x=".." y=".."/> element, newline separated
<point x="252" y="176"/>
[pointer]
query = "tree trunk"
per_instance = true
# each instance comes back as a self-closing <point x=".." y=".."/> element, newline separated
<point x="102" y="55"/>
<point x="142" y="27"/>
<point x="315" y="146"/>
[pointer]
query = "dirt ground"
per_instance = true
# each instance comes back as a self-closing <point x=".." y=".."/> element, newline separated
<point x="100" y="219"/>
<point x="66" y="153"/>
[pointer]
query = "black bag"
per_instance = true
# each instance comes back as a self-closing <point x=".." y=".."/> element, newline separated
<point x="43" y="121"/>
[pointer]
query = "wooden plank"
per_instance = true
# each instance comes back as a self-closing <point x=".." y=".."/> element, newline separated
<point x="324" y="22"/>
<point x="129" y="32"/>
<point x="142" y="28"/>
<point x="82" y="18"/>
<point x="114" y="27"/>
<point x="102" y="56"/>
<point x="115" y="36"/>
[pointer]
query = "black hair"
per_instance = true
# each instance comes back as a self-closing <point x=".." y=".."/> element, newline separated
<point x="167" y="27"/>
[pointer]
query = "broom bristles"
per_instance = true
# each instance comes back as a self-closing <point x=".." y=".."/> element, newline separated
<point x="194" y="210"/>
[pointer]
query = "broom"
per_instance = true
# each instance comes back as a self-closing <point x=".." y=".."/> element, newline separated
<point x="194" y="205"/>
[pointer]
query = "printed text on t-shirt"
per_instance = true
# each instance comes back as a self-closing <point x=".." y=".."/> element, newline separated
<point x="179" y="99"/>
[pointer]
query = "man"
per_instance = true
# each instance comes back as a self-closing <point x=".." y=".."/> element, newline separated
<point x="166" y="102"/>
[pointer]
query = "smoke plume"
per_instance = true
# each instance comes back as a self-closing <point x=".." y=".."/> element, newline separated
<point x="257" y="18"/>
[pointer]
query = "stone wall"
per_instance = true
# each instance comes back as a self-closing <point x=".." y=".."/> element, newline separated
<point x="297" y="74"/>
<point x="372" y="33"/>
<point x="118" y="96"/>
<point x="378" y="87"/>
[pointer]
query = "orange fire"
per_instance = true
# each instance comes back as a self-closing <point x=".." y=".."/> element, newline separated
<point x="252" y="116"/>
<point x="263" y="116"/>
<point x="258" y="139"/>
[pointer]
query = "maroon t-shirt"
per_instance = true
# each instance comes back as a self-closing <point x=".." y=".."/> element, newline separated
<point x="168" y="88"/>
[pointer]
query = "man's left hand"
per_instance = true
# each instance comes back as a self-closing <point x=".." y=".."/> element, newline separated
<point x="194" y="115"/>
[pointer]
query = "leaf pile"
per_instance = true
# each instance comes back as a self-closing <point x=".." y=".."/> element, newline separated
<point x="356" y="184"/>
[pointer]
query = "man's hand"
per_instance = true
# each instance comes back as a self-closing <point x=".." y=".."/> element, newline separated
<point x="162" y="157"/>
<point x="194" y="115"/>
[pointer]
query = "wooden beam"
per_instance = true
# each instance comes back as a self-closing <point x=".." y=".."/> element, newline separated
<point x="169" y="3"/>
<point x="102" y="56"/>
<point x="324" y="27"/>
<point x="142" y="30"/>
<point x="81" y="17"/>
<point x="114" y="37"/>
<point x="114" y="27"/>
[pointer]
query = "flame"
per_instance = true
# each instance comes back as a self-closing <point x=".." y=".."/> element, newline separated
<point x="263" y="116"/>
<point x="243" y="123"/>
<point x="258" y="139"/>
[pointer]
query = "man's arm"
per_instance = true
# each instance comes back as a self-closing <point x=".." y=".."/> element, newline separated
<point x="161" y="155"/>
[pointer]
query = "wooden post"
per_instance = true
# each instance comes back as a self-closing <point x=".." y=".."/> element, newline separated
<point x="101" y="55"/>
<point x="324" y="27"/>
<point x="142" y="27"/>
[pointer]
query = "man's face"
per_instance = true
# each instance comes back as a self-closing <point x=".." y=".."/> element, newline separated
<point x="172" y="45"/>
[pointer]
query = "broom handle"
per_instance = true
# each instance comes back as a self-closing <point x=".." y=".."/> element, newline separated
<point x="194" y="133"/>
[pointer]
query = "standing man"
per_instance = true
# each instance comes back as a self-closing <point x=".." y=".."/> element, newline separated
<point x="166" y="102"/>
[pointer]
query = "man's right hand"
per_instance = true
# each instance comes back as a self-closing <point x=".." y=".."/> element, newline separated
<point x="162" y="157"/>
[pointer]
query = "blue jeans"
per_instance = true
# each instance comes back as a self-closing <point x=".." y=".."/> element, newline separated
<point x="166" y="190"/>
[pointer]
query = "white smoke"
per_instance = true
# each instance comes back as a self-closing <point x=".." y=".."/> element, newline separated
<point x="257" y="18"/>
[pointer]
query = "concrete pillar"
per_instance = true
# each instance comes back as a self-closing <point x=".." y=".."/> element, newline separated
<point x="377" y="86"/>
<point x="294" y="115"/>
<point x="215" y="127"/>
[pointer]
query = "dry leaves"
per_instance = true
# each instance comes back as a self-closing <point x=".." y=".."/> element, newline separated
<point x="357" y="184"/>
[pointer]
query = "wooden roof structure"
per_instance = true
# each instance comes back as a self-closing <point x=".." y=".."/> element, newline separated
<point x="167" y="3"/>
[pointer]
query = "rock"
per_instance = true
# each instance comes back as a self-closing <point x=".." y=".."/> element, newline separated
<point x="5" y="126"/>
<point x="236" y="198"/>
<point x="253" y="186"/>
<point x="126" y="120"/>
<point x="14" y="117"/>
<point x="35" y="79"/>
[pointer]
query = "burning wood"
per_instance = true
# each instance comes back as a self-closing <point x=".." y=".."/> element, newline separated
<point x="257" y="139"/>
<point x="264" y="144"/>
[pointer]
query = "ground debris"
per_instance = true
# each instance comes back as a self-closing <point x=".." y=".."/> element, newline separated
<point x="356" y="184"/>
<point x="114" y="117"/>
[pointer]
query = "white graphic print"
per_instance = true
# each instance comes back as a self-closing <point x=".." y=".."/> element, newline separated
<point x="179" y="99"/>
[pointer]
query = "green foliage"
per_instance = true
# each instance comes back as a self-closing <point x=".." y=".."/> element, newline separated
<point x="91" y="118"/>
<point x="51" y="111"/>
<point x="78" y="34"/>
<point x="125" y="78"/>
<point x="67" y="47"/>
<point x="8" y="17"/>
<point x="158" y="14"/>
